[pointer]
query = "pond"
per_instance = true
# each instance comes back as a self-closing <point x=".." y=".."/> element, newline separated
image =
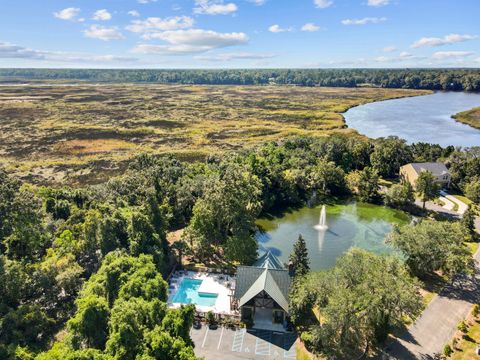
<point x="349" y="225"/>
<point x="418" y="119"/>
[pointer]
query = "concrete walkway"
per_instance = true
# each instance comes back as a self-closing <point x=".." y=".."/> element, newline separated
<point x="462" y="207"/>
<point x="438" y="323"/>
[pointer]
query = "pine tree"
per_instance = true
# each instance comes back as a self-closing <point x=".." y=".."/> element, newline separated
<point x="299" y="257"/>
<point x="468" y="224"/>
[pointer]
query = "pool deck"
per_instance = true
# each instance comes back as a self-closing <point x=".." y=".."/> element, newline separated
<point x="219" y="284"/>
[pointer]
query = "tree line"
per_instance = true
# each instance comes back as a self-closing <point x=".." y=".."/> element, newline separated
<point x="430" y="79"/>
<point x="61" y="248"/>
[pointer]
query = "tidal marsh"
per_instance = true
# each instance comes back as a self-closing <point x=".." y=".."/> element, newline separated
<point x="84" y="133"/>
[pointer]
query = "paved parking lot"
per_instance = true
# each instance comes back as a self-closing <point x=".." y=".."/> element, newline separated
<point x="227" y="344"/>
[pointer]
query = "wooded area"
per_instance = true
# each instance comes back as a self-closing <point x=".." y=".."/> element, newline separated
<point x="430" y="79"/>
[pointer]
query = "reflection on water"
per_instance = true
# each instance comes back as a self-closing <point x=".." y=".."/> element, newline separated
<point x="418" y="119"/>
<point x="354" y="224"/>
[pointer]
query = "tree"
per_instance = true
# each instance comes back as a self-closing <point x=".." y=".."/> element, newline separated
<point x="90" y="324"/>
<point x="468" y="224"/>
<point x="400" y="196"/>
<point x="298" y="259"/>
<point x="28" y="236"/>
<point x="472" y="190"/>
<point x="389" y="154"/>
<point x="432" y="246"/>
<point x="368" y="185"/>
<point x="426" y="186"/>
<point x="361" y="299"/>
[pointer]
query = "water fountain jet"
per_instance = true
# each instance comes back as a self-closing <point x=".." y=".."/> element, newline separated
<point x="322" y="224"/>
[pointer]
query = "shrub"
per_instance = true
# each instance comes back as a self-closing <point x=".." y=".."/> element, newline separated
<point x="447" y="350"/>
<point x="462" y="327"/>
<point x="475" y="310"/>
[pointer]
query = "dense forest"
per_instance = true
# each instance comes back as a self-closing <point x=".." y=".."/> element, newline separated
<point x="430" y="79"/>
<point x="82" y="268"/>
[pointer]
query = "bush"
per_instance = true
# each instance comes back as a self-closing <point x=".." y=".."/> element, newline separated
<point x="462" y="327"/>
<point x="447" y="350"/>
<point x="475" y="310"/>
<point x="210" y="317"/>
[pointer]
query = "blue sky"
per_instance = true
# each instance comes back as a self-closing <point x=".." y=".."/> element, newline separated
<point x="239" y="33"/>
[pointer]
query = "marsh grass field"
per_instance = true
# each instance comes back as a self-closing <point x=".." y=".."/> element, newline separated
<point x="469" y="117"/>
<point x="84" y="133"/>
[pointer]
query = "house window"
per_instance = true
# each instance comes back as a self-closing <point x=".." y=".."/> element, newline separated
<point x="278" y="316"/>
<point x="247" y="313"/>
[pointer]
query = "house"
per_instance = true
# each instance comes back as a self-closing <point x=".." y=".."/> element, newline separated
<point x="411" y="172"/>
<point x="261" y="293"/>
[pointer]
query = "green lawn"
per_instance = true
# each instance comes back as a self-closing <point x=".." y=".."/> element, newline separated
<point x="463" y="199"/>
<point x="466" y="348"/>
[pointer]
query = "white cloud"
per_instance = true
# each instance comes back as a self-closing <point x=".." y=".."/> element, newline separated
<point x="441" y="55"/>
<point x="258" y="2"/>
<point x="181" y="42"/>
<point x="102" y="15"/>
<point x="11" y="51"/>
<point x="103" y="33"/>
<point x="67" y="14"/>
<point x="234" y="56"/>
<point x="378" y="2"/>
<point x="405" y="54"/>
<point x="389" y="48"/>
<point x="323" y="4"/>
<point x="364" y="21"/>
<point x="311" y="27"/>
<point x="134" y="13"/>
<point x="146" y="1"/>
<point x="446" y="40"/>
<point x="156" y="23"/>
<point x="214" y="7"/>
<point x="277" y="29"/>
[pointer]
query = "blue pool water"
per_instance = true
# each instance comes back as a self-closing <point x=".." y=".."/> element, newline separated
<point x="187" y="293"/>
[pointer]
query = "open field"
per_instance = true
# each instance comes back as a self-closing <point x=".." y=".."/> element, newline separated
<point x="84" y="133"/>
<point x="470" y="117"/>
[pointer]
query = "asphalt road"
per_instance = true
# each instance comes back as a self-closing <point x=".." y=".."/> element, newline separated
<point x="438" y="323"/>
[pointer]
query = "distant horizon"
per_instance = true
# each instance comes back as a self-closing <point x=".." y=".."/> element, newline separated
<point x="244" y="68"/>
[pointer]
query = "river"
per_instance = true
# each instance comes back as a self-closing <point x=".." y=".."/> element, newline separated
<point x="425" y="118"/>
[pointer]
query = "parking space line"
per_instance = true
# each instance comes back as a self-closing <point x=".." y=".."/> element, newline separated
<point x="263" y="343"/>
<point x="220" y="340"/>
<point x="205" y="338"/>
<point x="238" y="339"/>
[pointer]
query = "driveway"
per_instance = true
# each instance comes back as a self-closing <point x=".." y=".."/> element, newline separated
<point x="462" y="207"/>
<point x="438" y="323"/>
<point x="227" y="344"/>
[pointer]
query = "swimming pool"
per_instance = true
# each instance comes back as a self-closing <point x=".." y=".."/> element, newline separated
<point x="187" y="293"/>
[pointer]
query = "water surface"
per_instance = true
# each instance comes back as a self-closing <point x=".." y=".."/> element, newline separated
<point x="418" y="119"/>
<point x="354" y="224"/>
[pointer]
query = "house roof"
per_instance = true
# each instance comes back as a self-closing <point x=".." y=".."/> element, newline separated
<point x="252" y="280"/>
<point x="436" y="168"/>
<point x="268" y="260"/>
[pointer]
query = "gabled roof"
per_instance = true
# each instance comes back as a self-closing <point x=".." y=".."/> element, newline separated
<point x="268" y="261"/>
<point x="436" y="168"/>
<point x="268" y="275"/>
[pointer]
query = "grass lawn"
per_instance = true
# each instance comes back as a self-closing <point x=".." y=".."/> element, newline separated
<point x="466" y="347"/>
<point x="302" y="354"/>
<point x="463" y="199"/>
